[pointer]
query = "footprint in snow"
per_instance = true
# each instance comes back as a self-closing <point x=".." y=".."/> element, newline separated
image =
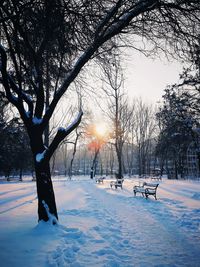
<point x="66" y="254"/>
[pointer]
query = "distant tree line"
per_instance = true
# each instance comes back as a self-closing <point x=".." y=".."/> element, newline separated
<point x="133" y="127"/>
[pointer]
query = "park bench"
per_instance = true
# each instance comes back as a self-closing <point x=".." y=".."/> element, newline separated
<point x="100" y="180"/>
<point x="146" y="189"/>
<point x="117" y="183"/>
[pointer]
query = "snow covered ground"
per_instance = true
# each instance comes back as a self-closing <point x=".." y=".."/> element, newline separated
<point x="100" y="226"/>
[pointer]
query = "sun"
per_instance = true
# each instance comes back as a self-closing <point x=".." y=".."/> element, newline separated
<point x="101" y="129"/>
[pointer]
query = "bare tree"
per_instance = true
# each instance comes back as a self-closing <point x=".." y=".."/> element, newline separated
<point x="78" y="134"/>
<point x="65" y="151"/>
<point x="131" y="147"/>
<point x="118" y="110"/>
<point x="145" y="127"/>
<point x="72" y="33"/>
<point x="96" y="142"/>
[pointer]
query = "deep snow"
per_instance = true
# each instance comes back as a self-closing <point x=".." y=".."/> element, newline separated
<point x="100" y="226"/>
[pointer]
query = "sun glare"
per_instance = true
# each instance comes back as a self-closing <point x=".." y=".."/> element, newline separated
<point x="101" y="129"/>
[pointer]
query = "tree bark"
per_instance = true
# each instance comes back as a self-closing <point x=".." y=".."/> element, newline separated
<point x="73" y="154"/>
<point x="94" y="163"/>
<point x="45" y="193"/>
<point x="47" y="210"/>
<point x="119" y="158"/>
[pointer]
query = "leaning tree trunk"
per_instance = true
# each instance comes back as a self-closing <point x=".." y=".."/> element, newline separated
<point x="47" y="210"/>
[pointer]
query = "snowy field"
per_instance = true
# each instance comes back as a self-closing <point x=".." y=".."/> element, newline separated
<point x="100" y="226"/>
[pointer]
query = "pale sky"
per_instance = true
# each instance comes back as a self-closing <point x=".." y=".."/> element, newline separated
<point x="148" y="78"/>
<point x="145" y="78"/>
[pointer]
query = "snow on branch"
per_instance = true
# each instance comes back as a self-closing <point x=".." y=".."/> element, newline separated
<point x="124" y="19"/>
<point x="66" y="131"/>
<point x="62" y="133"/>
<point x="113" y="28"/>
<point x="70" y="77"/>
<point x="36" y="120"/>
<point x="74" y="123"/>
<point x="108" y="16"/>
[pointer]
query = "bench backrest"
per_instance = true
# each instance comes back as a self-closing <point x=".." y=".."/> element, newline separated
<point x="150" y="185"/>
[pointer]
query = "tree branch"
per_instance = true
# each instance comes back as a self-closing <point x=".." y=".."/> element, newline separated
<point x="113" y="30"/>
<point x="3" y="68"/>
<point x="8" y="82"/>
<point x="107" y="17"/>
<point x="61" y="134"/>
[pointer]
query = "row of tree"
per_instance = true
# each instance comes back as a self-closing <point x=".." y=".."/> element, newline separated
<point x="134" y="134"/>
<point x="136" y="137"/>
<point x="179" y="121"/>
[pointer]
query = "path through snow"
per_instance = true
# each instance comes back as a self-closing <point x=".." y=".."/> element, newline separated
<point x="100" y="226"/>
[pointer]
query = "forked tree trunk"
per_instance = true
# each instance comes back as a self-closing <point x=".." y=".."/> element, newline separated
<point x="47" y="210"/>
